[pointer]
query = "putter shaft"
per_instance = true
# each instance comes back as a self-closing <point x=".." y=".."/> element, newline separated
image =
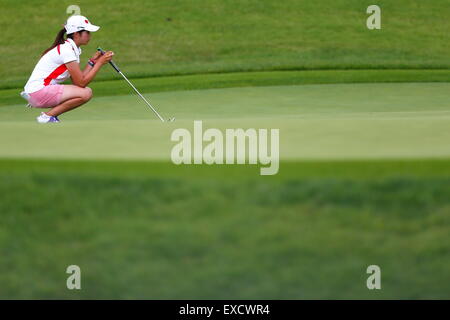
<point x="134" y="88"/>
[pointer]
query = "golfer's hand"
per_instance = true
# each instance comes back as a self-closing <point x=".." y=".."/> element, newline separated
<point x="105" y="58"/>
<point x="96" y="56"/>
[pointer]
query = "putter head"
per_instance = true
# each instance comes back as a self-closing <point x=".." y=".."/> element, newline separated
<point x="171" y="119"/>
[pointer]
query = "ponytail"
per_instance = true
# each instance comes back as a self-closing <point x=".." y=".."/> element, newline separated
<point x="58" y="40"/>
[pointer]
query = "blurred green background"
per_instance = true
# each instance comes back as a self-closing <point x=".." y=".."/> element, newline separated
<point x="188" y="37"/>
<point x="365" y="173"/>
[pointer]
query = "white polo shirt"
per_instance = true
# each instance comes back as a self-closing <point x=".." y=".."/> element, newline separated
<point x="51" y="68"/>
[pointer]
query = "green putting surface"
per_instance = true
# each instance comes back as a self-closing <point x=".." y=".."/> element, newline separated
<point x="335" y="121"/>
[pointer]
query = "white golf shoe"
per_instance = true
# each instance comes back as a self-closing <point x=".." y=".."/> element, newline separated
<point x="44" y="118"/>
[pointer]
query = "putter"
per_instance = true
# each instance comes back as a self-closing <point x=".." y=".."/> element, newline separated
<point x="134" y="88"/>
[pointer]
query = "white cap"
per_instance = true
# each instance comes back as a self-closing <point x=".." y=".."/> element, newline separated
<point x="79" y="23"/>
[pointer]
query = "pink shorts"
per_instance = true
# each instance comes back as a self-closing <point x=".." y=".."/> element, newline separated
<point x="49" y="96"/>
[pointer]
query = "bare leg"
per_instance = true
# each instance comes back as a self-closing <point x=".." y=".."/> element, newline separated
<point x="72" y="97"/>
<point x="65" y="106"/>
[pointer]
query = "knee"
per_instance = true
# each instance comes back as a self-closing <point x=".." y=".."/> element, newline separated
<point x="87" y="94"/>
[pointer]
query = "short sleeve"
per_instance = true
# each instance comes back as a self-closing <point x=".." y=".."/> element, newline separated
<point x="67" y="53"/>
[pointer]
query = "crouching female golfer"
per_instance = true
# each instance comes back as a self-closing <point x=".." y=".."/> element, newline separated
<point x="57" y="63"/>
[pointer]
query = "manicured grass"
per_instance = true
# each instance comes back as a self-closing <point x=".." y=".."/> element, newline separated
<point x="345" y="169"/>
<point x="244" y="79"/>
<point x="164" y="37"/>
<point x="143" y="229"/>
<point x="364" y="177"/>
<point x="167" y="237"/>
<point x="339" y="121"/>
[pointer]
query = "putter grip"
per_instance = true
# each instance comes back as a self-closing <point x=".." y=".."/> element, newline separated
<point x="110" y="62"/>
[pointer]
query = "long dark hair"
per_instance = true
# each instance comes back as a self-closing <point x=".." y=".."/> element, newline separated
<point x="58" y="40"/>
